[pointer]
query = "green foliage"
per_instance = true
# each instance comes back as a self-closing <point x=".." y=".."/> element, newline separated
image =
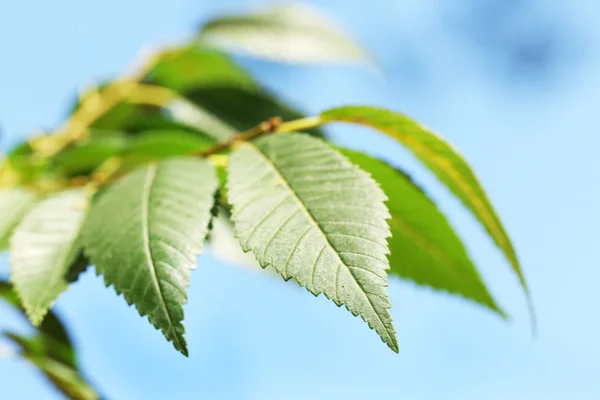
<point x="50" y="350"/>
<point x="144" y="233"/>
<point x="315" y="217"/>
<point x="132" y="181"/>
<point x="44" y="247"/>
<point x="424" y="247"/>
<point x="441" y="159"/>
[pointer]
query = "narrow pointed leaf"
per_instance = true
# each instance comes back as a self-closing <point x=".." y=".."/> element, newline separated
<point x="289" y="33"/>
<point x="443" y="160"/>
<point x="423" y="247"/>
<point x="304" y="209"/>
<point x="144" y="233"/>
<point x="14" y="204"/>
<point x="44" y="247"/>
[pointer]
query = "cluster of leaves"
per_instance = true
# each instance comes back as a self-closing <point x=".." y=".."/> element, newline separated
<point x="131" y="183"/>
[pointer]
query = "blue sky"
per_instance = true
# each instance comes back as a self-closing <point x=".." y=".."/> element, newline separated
<point x="513" y="84"/>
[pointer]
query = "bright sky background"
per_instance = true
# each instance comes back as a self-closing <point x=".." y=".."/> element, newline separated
<point x="515" y="85"/>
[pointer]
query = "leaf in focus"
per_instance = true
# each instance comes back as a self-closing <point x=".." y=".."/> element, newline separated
<point x="144" y="233"/>
<point x="304" y="209"/>
<point x="43" y="248"/>
<point x="444" y="161"/>
<point x="423" y="247"/>
<point x="14" y="204"/>
<point x="289" y="33"/>
<point x="189" y="67"/>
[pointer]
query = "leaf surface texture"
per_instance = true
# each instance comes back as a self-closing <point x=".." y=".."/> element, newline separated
<point x="304" y="209"/>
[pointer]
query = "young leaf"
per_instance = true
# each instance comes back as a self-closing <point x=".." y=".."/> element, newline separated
<point x="144" y="233"/>
<point x="445" y="162"/>
<point x="304" y="209"/>
<point x="423" y="247"/>
<point x="14" y="204"/>
<point x="44" y="247"/>
<point x="289" y="33"/>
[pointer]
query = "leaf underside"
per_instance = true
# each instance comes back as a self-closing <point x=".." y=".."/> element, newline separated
<point x="145" y="232"/>
<point x="289" y="33"/>
<point x="304" y="209"/>
<point x="44" y="247"/>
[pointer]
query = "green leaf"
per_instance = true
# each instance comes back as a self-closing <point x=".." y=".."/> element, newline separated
<point x="243" y="108"/>
<point x="166" y="143"/>
<point x="14" y="204"/>
<point x="43" y="249"/>
<point x="50" y="349"/>
<point x="424" y="247"/>
<point x="85" y="157"/>
<point x="144" y="233"/>
<point x="51" y="331"/>
<point x="445" y="162"/>
<point x="289" y="33"/>
<point x="304" y="209"/>
<point x="193" y="66"/>
<point x="202" y="120"/>
<point x="66" y="378"/>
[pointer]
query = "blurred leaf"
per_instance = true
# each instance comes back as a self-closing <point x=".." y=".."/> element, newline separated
<point x="243" y="108"/>
<point x="23" y="160"/>
<point x="199" y="118"/>
<point x="289" y="33"/>
<point x="423" y="247"/>
<point x="66" y="378"/>
<point x="86" y="156"/>
<point x="195" y="66"/>
<point x="156" y="145"/>
<point x="182" y="116"/>
<point x="44" y="247"/>
<point x="50" y="350"/>
<point x="313" y="216"/>
<point x="14" y="204"/>
<point x="166" y="143"/>
<point x="144" y="233"/>
<point x="445" y="162"/>
<point x="52" y="331"/>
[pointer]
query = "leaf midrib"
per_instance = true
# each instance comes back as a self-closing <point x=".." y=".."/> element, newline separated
<point x="146" y="193"/>
<point x="316" y="224"/>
